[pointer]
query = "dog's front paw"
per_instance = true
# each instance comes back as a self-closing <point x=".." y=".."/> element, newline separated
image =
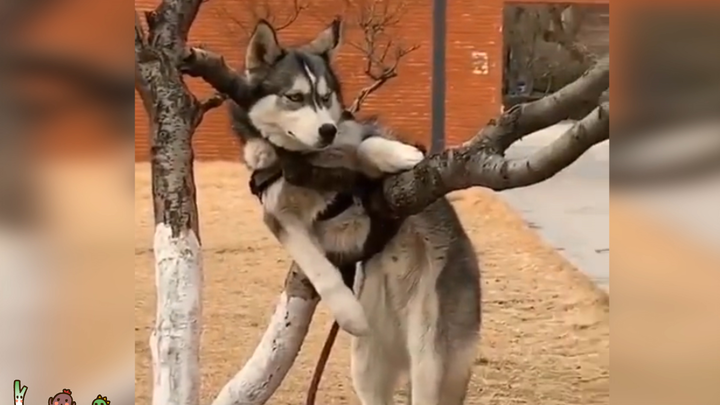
<point x="347" y="311"/>
<point x="400" y="157"/>
<point x="389" y="156"/>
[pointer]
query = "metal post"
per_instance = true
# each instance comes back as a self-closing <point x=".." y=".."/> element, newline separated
<point x="439" y="22"/>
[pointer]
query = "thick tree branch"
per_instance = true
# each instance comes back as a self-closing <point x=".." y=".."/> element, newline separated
<point x="581" y="96"/>
<point x="273" y="357"/>
<point x="212" y="68"/>
<point x="481" y="161"/>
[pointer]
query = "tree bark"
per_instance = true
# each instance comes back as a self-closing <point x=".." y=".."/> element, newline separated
<point x="273" y="357"/>
<point x="176" y="113"/>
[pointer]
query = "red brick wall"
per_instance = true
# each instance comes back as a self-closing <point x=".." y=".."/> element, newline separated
<point x="404" y="103"/>
<point x="474" y="69"/>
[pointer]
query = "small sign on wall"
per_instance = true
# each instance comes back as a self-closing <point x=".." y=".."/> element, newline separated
<point x="480" y="62"/>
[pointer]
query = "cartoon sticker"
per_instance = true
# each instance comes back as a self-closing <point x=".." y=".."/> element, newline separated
<point x="62" y="398"/>
<point x="19" y="393"/>
<point x="100" y="400"/>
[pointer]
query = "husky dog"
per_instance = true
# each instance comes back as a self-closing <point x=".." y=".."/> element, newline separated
<point x="418" y="311"/>
<point x="297" y="108"/>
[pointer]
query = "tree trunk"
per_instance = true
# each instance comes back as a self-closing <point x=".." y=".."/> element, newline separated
<point x="175" y="339"/>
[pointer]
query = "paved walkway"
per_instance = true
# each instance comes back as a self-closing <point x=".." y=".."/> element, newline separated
<point x="571" y="210"/>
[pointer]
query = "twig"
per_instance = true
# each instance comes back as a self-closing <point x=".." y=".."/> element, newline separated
<point x="374" y="24"/>
<point x="253" y="9"/>
<point x="212" y="102"/>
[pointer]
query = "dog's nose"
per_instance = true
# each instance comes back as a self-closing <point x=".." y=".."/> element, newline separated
<point x="327" y="133"/>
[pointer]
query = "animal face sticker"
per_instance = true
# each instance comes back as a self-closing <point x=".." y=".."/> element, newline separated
<point x="62" y="398"/>
<point x="100" y="400"/>
<point x="19" y="393"/>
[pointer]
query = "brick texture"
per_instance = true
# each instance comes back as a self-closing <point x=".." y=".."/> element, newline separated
<point x="474" y="64"/>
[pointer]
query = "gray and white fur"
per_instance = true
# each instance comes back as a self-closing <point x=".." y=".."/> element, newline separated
<point x="418" y="311"/>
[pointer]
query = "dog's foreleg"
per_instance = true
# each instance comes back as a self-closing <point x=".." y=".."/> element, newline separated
<point x="327" y="280"/>
<point x="374" y="367"/>
<point x="389" y="156"/>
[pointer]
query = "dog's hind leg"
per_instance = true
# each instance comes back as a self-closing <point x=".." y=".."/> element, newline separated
<point x="426" y="369"/>
<point x="457" y="373"/>
<point x="377" y="359"/>
<point x="426" y="361"/>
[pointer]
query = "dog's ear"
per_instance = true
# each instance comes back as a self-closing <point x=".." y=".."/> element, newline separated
<point x="263" y="48"/>
<point x="328" y="41"/>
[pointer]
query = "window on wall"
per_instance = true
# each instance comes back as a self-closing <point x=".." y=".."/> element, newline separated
<point x="547" y="46"/>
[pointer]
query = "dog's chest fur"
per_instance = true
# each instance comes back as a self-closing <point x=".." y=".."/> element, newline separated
<point x="344" y="233"/>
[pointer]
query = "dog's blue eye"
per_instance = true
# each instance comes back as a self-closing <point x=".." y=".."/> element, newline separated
<point x="295" y="98"/>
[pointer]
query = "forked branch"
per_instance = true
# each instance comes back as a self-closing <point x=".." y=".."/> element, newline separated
<point x="263" y="9"/>
<point x="380" y="47"/>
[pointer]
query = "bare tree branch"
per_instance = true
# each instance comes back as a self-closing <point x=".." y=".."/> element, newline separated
<point x="262" y="9"/>
<point x="212" y="68"/>
<point x="481" y="161"/>
<point x="376" y="19"/>
<point x="212" y="102"/>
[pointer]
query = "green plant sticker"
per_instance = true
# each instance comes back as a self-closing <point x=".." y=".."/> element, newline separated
<point x="19" y="393"/>
<point x="100" y="400"/>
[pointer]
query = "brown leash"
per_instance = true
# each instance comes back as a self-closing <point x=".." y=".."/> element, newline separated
<point x="321" y="363"/>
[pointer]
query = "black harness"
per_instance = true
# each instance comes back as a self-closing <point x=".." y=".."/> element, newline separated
<point x="260" y="180"/>
<point x="382" y="230"/>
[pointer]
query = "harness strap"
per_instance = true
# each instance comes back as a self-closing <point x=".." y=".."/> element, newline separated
<point x="261" y="179"/>
<point x="341" y="203"/>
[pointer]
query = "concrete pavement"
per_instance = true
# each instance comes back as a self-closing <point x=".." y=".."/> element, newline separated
<point x="570" y="210"/>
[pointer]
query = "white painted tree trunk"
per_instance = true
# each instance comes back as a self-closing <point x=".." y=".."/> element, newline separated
<point x="265" y="370"/>
<point x="175" y="341"/>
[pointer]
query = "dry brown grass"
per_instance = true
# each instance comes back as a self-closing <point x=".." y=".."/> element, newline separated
<point x="546" y="332"/>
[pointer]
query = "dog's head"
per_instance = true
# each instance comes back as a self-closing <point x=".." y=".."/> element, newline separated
<point x="298" y="102"/>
